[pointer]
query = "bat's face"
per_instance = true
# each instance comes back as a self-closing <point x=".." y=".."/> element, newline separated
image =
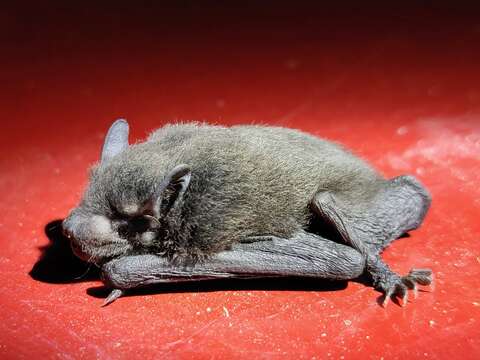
<point x="122" y="208"/>
<point x="111" y="219"/>
<point x="95" y="237"/>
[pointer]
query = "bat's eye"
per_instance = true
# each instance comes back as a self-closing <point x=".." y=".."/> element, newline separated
<point x="136" y="225"/>
<point x="139" y="224"/>
<point x="123" y="231"/>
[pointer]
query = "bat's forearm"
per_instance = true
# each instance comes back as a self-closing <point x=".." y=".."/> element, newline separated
<point x="305" y="255"/>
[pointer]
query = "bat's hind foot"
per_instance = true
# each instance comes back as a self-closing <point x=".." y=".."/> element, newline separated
<point x="396" y="286"/>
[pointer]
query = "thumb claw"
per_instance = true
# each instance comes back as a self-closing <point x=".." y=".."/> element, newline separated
<point x="114" y="295"/>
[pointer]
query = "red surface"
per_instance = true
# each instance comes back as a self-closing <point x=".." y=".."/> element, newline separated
<point x="400" y="86"/>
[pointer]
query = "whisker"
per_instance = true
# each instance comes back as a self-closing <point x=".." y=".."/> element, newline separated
<point x="85" y="273"/>
<point x="52" y="227"/>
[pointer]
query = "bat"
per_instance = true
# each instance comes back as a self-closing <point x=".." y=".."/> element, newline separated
<point x="197" y="201"/>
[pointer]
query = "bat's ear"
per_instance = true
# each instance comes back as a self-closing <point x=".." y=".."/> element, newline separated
<point x="169" y="192"/>
<point x="116" y="140"/>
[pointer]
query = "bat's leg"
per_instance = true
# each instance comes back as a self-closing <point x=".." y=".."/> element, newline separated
<point x="304" y="255"/>
<point x="369" y="226"/>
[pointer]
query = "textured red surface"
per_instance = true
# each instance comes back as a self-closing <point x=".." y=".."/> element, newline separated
<point x="400" y="86"/>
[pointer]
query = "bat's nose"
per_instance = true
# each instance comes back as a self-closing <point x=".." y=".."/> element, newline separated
<point x="73" y="242"/>
<point x="66" y="228"/>
<point x="66" y="232"/>
<point x="75" y="246"/>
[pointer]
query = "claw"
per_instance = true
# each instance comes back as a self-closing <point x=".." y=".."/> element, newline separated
<point x="402" y="292"/>
<point x="415" y="291"/>
<point x="388" y="295"/>
<point x="421" y="276"/>
<point x="426" y="272"/>
<point x="405" y="299"/>
<point x="114" y="295"/>
<point x="411" y="284"/>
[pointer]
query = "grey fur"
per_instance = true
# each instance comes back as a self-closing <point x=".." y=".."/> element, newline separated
<point x="241" y="187"/>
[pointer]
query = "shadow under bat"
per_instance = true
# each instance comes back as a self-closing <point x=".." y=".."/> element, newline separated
<point x="58" y="265"/>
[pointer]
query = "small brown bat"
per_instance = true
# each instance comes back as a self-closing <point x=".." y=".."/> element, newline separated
<point x="197" y="201"/>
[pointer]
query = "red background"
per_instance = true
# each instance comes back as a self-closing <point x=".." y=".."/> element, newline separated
<point x="398" y="84"/>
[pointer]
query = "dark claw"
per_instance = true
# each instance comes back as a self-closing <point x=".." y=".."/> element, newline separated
<point x="420" y="276"/>
<point x="403" y="293"/>
<point x="410" y="283"/>
<point x="426" y="272"/>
